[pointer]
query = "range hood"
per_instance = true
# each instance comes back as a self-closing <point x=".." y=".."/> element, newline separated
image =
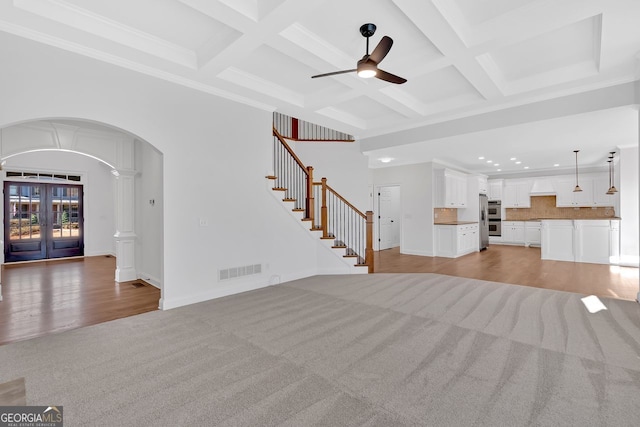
<point x="542" y="187"/>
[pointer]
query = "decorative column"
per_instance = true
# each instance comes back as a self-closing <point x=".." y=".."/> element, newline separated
<point x="125" y="235"/>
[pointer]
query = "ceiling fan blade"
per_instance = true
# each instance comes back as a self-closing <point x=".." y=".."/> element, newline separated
<point x="388" y="77"/>
<point x="381" y="50"/>
<point x="334" y="73"/>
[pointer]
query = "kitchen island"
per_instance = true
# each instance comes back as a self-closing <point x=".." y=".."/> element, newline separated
<point x="581" y="240"/>
<point x="456" y="238"/>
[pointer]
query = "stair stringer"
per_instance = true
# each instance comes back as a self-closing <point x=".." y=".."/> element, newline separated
<point x="329" y="260"/>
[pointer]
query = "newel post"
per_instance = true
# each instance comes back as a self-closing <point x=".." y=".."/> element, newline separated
<point x="368" y="257"/>
<point x="323" y="209"/>
<point x="310" y="194"/>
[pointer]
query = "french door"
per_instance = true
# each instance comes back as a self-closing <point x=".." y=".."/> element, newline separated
<point x="42" y="221"/>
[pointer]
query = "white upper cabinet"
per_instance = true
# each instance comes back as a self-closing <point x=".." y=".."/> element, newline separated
<point x="516" y="193"/>
<point x="495" y="189"/>
<point x="593" y="194"/>
<point x="483" y="186"/>
<point x="450" y="189"/>
<point x="600" y="196"/>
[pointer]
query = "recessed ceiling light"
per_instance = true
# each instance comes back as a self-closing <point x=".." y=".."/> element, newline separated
<point x="496" y="164"/>
<point x="513" y="158"/>
<point x="526" y="167"/>
<point x="481" y="158"/>
<point x="556" y="165"/>
<point x="499" y="170"/>
<point x="489" y="161"/>
<point x="518" y="162"/>
<point x="385" y="159"/>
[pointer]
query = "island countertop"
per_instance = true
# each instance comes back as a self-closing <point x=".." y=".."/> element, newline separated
<point x="455" y="223"/>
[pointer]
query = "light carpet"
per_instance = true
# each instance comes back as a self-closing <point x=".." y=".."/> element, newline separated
<point x="361" y="350"/>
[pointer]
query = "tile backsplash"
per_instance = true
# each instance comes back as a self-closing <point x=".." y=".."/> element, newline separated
<point x="545" y="207"/>
<point x="444" y="215"/>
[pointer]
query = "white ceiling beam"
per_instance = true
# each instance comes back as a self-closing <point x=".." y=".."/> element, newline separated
<point x="222" y="13"/>
<point x="85" y="20"/>
<point x="585" y="102"/>
<point x="429" y="20"/>
<point x="257" y="35"/>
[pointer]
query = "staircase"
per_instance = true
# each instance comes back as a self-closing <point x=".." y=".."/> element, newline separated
<point x="339" y="225"/>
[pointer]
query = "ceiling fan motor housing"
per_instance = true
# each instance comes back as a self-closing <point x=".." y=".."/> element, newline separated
<point x="367" y="30"/>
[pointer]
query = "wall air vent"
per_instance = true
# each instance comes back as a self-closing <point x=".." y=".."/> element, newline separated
<point x="235" y="272"/>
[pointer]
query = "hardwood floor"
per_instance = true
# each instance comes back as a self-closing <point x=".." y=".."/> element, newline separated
<point x="522" y="266"/>
<point x="52" y="296"/>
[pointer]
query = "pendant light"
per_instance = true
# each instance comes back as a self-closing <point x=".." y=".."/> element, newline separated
<point x="577" y="189"/>
<point x="612" y="188"/>
<point x="609" y="192"/>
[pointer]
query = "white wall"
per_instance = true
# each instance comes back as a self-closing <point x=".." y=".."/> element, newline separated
<point x="416" y="205"/>
<point x="628" y="188"/>
<point x="148" y="208"/>
<point x="342" y="163"/>
<point x="98" y="189"/>
<point x="215" y="152"/>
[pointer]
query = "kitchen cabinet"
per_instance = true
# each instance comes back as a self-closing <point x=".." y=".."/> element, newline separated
<point x="597" y="241"/>
<point x="600" y="196"/>
<point x="494" y="191"/>
<point x="483" y="186"/>
<point x="593" y="194"/>
<point x="450" y="189"/>
<point x="593" y="241"/>
<point x="513" y="232"/>
<point x="516" y="193"/>
<point x="532" y="230"/>
<point x="453" y="241"/>
<point x="557" y="240"/>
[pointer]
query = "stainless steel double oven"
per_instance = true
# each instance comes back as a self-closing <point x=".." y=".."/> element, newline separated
<point x="494" y="212"/>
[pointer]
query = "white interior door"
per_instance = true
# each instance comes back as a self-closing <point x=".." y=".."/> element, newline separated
<point x="389" y="217"/>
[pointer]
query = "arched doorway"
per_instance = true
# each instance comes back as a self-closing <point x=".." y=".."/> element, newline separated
<point x="121" y="180"/>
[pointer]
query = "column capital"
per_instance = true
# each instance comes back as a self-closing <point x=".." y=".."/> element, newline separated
<point x="124" y="172"/>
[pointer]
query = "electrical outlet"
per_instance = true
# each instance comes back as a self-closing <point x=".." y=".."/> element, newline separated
<point x="204" y="222"/>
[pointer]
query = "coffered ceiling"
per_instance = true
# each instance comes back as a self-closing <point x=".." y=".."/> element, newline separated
<point x="461" y="58"/>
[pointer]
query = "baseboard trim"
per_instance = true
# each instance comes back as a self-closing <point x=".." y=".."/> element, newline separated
<point x="415" y="252"/>
<point x="154" y="281"/>
<point x="219" y="292"/>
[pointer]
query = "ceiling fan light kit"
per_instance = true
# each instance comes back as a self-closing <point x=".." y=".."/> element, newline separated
<point x="367" y="67"/>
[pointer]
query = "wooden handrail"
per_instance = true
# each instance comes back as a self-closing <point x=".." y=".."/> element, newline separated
<point x="346" y="202"/>
<point x="290" y="151"/>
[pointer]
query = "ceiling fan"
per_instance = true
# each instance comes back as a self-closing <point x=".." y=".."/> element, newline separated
<point x="368" y="66"/>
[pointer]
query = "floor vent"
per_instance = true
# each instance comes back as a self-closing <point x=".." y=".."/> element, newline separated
<point x="138" y="285"/>
<point x="234" y="272"/>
